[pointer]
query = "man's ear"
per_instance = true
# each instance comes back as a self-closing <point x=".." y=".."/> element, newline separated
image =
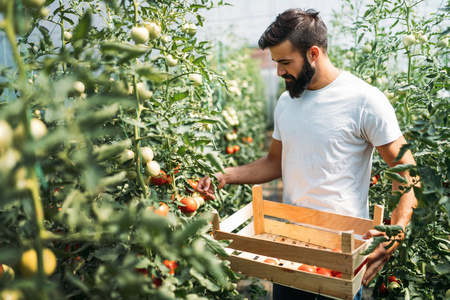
<point x="313" y="53"/>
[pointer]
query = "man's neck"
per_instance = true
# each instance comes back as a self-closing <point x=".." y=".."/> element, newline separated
<point x="325" y="74"/>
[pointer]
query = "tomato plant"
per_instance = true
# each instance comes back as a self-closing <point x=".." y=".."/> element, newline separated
<point x="104" y="97"/>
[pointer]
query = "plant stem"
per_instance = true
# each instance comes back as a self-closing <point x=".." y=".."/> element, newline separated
<point x="137" y="145"/>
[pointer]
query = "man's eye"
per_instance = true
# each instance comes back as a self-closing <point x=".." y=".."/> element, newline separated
<point x="285" y="63"/>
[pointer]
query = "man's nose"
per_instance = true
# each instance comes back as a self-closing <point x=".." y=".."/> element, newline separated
<point x="281" y="70"/>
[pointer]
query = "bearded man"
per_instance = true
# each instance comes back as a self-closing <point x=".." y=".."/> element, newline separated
<point x="326" y="127"/>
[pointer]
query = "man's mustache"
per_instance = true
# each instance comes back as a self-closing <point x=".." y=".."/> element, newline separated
<point x="288" y="76"/>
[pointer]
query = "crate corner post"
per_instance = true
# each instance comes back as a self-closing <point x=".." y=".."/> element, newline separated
<point x="258" y="209"/>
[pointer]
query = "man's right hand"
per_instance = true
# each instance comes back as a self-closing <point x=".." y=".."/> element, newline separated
<point x="205" y="187"/>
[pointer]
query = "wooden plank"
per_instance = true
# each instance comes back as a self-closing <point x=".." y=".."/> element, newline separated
<point x="248" y="230"/>
<point x="317" y="218"/>
<point x="258" y="209"/>
<point x="378" y="214"/>
<point x="215" y="220"/>
<point x="341" y="262"/>
<point x="236" y="219"/>
<point x="348" y="246"/>
<point x="329" y="286"/>
<point x="304" y="234"/>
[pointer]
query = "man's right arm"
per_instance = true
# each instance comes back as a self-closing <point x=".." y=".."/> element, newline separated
<point x="262" y="170"/>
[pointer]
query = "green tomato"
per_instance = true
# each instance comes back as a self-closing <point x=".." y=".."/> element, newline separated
<point x="147" y="154"/>
<point x="126" y="158"/>
<point x="38" y="128"/>
<point x="140" y="35"/>
<point x="192" y="29"/>
<point x="154" y="30"/>
<point x="171" y="61"/>
<point x="349" y="54"/>
<point x="394" y="287"/>
<point x="447" y="294"/>
<point x="367" y="48"/>
<point x="152" y="168"/>
<point x="67" y="35"/>
<point x="10" y="294"/>
<point x="443" y="43"/>
<point x="6" y="135"/>
<point x="422" y="39"/>
<point x="78" y="88"/>
<point x="196" y="79"/>
<point x="143" y="92"/>
<point x="408" y="40"/>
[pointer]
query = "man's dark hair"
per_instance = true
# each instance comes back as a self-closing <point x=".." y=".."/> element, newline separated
<point x="303" y="29"/>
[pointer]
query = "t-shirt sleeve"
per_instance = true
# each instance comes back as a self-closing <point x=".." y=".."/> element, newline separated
<point x="379" y="125"/>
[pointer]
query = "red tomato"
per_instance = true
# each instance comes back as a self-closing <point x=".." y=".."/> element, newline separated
<point x="230" y="150"/>
<point x="249" y="139"/>
<point x="171" y="264"/>
<point x="162" y="210"/>
<point x="337" y="249"/>
<point x="307" y="268"/>
<point x="160" y="179"/>
<point x="177" y="169"/>
<point x="374" y="180"/>
<point x="271" y="261"/>
<point x="383" y="290"/>
<point x="156" y="281"/>
<point x="193" y="185"/>
<point x="190" y="205"/>
<point x="236" y="148"/>
<point x="336" y="273"/>
<point x="392" y="279"/>
<point x="325" y="272"/>
<point x="142" y="271"/>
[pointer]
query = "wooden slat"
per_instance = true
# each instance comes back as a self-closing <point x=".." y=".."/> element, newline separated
<point x="304" y="234"/>
<point x="348" y="246"/>
<point x="323" y="258"/>
<point x="258" y="209"/>
<point x="236" y="219"/>
<point x="248" y="230"/>
<point x="317" y="218"/>
<point x="215" y="220"/>
<point x="378" y="215"/>
<point x="329" y="286"/>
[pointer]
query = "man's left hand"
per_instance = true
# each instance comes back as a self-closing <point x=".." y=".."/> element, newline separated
<point x="378" y="257"/>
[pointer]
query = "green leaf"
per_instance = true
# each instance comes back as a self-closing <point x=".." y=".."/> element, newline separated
<point x="401" y="168"/>
<point x="215" y="161"/>
<point x="198" y="60"/>
<point x="134" y="122"/>
<point x="376" y="241"/>
<point x="179" y="96"/>
<point x="402" y="151"/>
<point x="396" y="177"/>
<point x="82" y="28"/>
<point x="204" y="281"/>
<point x="443" y="268"/>
<point x="108" y="254"/>
<point x="216" y="246"/>
<point x="76" y="281"/>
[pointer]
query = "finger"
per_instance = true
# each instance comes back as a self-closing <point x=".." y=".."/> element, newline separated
<point x="372" y="233"/>
<point x="203" y="184"/>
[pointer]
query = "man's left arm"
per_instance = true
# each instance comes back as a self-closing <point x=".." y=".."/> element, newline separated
<point x="402" y="213"/>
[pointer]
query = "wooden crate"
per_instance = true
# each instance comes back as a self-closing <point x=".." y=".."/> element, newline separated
<point x="302" y="236"/>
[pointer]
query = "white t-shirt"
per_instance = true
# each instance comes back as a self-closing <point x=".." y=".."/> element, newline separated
<point x="328" y="137"/>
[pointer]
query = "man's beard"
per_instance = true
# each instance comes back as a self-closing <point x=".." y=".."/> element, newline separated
<point x="298" y="85"/>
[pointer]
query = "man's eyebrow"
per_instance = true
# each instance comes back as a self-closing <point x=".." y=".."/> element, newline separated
<point x="282" y="60"/>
